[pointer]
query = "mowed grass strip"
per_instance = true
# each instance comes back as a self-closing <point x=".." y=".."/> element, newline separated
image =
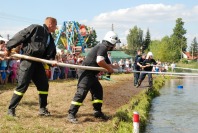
<point x="60" y="96"/>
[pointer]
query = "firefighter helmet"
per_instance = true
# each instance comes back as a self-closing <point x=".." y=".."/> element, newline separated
<point x="111" y="37"/>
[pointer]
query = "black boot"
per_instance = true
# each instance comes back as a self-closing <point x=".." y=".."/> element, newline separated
<point x="100" y="115"/>
<point x="44" y="112"/>
<point x="151" y="83"/>
<point x="72" y="114"/>
<point x="11" y="112"/>
<point x="13" y="104"/>
<point x="139" y="83"/>
<point x="135" y="82"/>
<point x="72" y="118"/>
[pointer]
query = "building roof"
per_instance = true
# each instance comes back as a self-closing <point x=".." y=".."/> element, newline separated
<point x="119" y="54"/>
<point x="189" y="57"/>
<point x="114" y="54"/>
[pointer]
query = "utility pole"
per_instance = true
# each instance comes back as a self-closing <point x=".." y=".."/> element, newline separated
<point x="112" y="27"/>
<point x="8" y="36"/>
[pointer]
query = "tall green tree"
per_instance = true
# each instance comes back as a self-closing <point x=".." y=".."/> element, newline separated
<point x="134" y="40"/>
<point x="194" y="48"/>
<point x="91" y="39"/>
<point x="178" y="38"/>
<point x="162" y="50"/>
<point x="147" y="41"/>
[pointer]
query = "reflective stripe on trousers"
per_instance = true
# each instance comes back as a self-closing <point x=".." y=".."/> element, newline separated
<point x="97" y="101"/>
<point x="76" y="103"/>
<point x="18" y="93"/>
<point x="43" y="92"/>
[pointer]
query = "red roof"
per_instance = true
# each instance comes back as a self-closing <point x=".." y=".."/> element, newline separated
<point x="190" y="57"/>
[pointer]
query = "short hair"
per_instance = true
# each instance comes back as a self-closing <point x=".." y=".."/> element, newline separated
<point x="2" y="42"/>
<point x="139" y="50"/>
<point x="50" y="20"/>
<point x="144" y="54"/>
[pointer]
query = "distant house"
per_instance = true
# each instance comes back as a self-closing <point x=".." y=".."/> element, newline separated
<point x="188" y="56"/>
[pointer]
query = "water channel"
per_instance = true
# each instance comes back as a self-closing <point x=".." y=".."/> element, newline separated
<point x="176" y="109"/>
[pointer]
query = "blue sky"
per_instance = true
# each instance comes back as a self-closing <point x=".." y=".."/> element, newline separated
<point x="156" y="15"/>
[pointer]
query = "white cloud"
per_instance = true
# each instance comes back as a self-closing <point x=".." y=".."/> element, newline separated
<point x="159" y="18"/>
<point x="11" y="30"/>
<point x="195" y="9"/>
<point x="146" y="12"/>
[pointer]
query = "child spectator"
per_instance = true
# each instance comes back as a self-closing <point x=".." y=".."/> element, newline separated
<point x="13" y="70"/>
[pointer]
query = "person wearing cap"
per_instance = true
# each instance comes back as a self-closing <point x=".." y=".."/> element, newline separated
<point x="88" y="81"/>
<point x="147" y="66"/>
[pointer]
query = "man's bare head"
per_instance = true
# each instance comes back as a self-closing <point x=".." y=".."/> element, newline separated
<point x="51" y="24"/>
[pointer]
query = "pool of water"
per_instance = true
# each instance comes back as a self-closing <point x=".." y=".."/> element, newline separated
<point x="176" y="109"/>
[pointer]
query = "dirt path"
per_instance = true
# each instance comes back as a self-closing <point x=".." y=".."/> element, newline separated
<point x="120" y="94"/>
<point x="116" y="94"/>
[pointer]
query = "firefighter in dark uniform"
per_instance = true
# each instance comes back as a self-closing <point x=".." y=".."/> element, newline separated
<point x="37" y="42"/>
<point x="88" y="80"/>
<point x="139" y="66"/>
<point x="136" y="67"/>
<point x="147" y="66"/>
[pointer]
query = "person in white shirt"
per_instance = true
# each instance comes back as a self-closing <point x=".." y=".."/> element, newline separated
<point x="173" y="66"/>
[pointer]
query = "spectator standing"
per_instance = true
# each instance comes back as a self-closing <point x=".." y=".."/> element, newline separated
<point x="166" y="67"/>
<point x="3" y="66"/>
<point x="108" y="75"/>
<point x="173" y="65"/>
<point x="72" y="71"/>
<point x="126" y="64"/>
<point x="130" y="64"/>
<point x="66" y="68"/>
<point x="121" y="64"/>
<point x="13" y="69"/>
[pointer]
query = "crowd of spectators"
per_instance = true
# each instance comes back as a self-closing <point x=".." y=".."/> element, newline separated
<point x="8" y="67"/>
<point x="57" y="72"/>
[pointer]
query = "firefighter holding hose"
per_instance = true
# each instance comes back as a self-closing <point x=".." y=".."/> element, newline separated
<point x="37" y="42"/>
<point x="88" y="81"/>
